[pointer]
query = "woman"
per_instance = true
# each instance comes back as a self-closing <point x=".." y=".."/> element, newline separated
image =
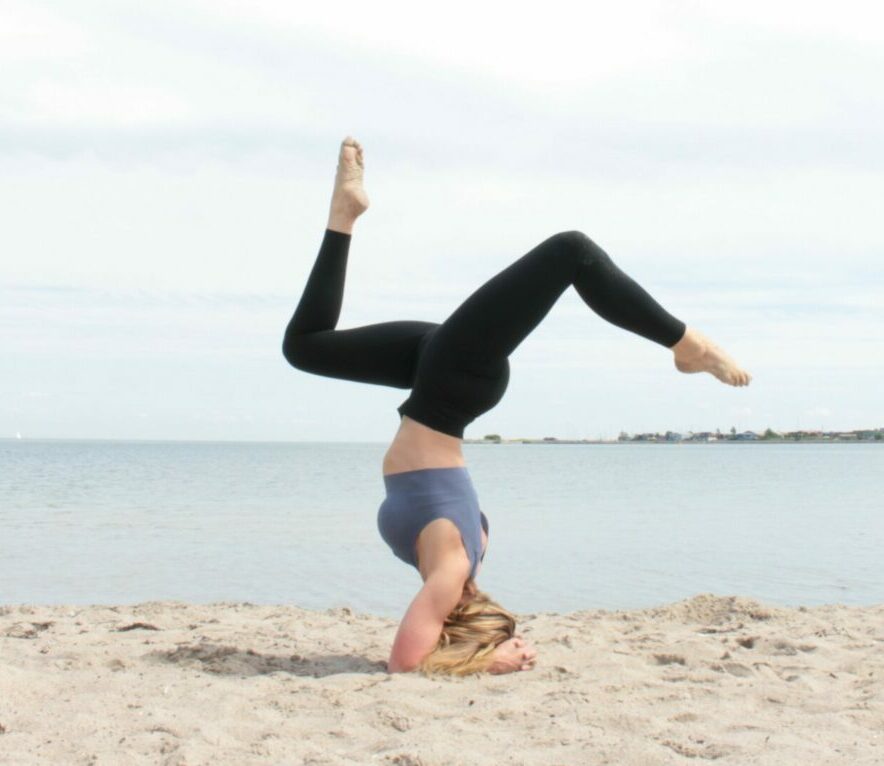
<point x="456" y="371"/>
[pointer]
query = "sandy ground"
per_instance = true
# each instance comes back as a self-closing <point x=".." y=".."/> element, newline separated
<point x="722" y="679"/>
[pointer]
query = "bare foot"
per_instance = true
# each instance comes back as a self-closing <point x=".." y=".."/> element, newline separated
<point x="349" y="199"/>
<point x="696" y="353"/>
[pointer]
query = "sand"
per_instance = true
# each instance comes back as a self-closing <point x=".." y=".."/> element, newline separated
<point x="711" y="678"/>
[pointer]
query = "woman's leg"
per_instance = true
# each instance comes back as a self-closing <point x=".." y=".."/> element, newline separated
<point x="384" y="353"/>
<point x="489" y="325"/>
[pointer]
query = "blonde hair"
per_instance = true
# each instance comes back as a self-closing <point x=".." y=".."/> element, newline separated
<point x="470" y="635"/>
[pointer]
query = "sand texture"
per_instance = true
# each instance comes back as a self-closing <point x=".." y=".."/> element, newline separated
<point x="711" y="678"/>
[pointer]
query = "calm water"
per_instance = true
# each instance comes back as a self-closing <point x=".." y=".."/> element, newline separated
<point x="572" y="526"/>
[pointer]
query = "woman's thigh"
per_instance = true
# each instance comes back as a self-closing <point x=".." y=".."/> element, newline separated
<point x="385" y="353"/>
<point x="460" y="383"/>
<point x="496" y="317"/>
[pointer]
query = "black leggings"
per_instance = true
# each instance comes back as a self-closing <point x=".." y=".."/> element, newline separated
<point x="458" y="370"/>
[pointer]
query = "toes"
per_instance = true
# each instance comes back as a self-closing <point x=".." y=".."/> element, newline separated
<point x="739" y="378"/>
<point x="356" y="156"/>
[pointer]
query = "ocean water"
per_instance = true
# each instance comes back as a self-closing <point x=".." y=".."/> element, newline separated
<point x="571" y="526"/>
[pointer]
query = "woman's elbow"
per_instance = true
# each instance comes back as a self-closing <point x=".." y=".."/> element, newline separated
<point x="394" y="666"/>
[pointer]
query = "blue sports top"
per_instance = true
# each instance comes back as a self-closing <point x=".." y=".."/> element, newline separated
<point x="415" y="498"/>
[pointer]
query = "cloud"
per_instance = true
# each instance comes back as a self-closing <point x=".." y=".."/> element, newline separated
<point x="624" y="93"/>
<point x="166" y="170"/>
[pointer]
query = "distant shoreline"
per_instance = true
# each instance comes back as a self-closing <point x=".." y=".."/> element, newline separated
<point x="681" y="441"/>
<point x="641" y="439"/>
<point x="769" y="436"/>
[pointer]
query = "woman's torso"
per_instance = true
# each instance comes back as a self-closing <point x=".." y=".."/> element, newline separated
<point x="418" y="446"/>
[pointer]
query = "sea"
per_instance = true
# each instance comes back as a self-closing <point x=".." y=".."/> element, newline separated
<point x="572" y="526"/>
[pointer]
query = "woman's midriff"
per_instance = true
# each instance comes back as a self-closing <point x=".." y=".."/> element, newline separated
<point x="417" y="446"/>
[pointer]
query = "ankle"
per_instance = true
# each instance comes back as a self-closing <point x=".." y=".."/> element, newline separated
<point x="341" y="221"/>
<point x="690" y="345"/>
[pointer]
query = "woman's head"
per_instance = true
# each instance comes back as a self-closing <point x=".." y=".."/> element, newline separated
<point x="471" y="633"/>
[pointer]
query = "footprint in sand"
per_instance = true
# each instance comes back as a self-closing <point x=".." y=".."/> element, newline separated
<point x="699" y="750"/>
<point x="733" y="668"/>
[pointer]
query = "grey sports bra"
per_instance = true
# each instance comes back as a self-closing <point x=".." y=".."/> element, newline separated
<point x="415" y="498"/>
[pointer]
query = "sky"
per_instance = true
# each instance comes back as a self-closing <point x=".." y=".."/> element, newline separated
<point x="166" y="169"/>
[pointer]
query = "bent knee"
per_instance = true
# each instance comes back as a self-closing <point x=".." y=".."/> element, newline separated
<point x="573" y="247"/>
<point x="296" y="350"/>
<point x="579" y="246"/>
<point x="574" y="238"/>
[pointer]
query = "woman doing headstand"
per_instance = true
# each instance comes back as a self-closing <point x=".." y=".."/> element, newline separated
<point x="457" y="371"/>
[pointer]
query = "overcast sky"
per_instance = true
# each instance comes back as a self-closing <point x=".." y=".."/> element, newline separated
<point x="165" y="172"/>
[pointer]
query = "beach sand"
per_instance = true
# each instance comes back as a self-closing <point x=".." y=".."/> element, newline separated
<point x="711" y="678"/>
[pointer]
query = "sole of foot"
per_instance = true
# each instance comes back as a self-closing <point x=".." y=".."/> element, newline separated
<point x="696" y="353"/>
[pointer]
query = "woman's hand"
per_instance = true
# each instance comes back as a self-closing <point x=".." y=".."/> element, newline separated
<point x="513" y="654"/>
